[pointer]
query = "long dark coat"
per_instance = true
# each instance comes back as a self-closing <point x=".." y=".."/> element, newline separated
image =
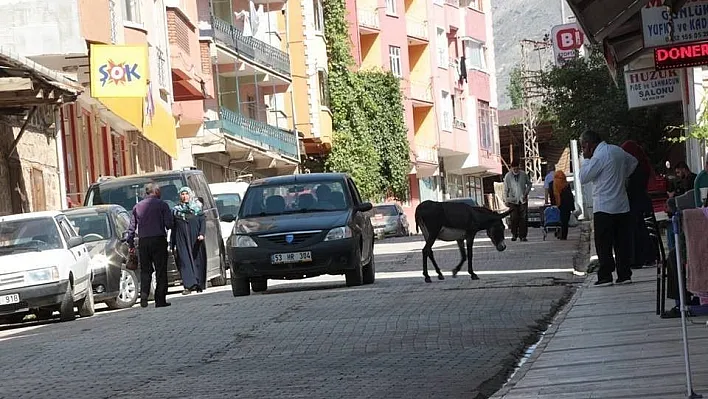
<point x="190" y="254"/>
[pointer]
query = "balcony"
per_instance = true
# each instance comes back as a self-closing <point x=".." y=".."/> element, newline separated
<point x="259" y="134"/>
<point x="368" y="20"/>
<point x="459" y="124"/>
<point x="426" y="154"/>
<point x="417" y="31"/>
<point x="248" y="47"/>
<point x="454" y="3"/>
<point x="421" y="94"/>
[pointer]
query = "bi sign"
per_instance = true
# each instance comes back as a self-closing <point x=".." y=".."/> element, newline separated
<point x="568" y="40"/>
<point x="119" y="71"/>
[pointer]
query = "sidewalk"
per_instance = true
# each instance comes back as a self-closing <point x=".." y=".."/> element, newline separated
<point x="608" y="343"/>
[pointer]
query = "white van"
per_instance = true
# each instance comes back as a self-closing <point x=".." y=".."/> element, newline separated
<point x="228" y="198"/>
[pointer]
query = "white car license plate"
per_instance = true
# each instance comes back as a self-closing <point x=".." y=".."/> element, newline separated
<point x="9" y="299"/>
<point x="291" y="257"/>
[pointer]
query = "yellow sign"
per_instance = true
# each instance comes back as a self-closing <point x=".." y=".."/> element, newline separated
<point x="119" y="71"/>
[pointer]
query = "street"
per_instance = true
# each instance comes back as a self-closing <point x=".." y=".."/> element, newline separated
<point x="397" y="338"/>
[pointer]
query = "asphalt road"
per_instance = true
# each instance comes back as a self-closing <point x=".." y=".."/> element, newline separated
<point x="397" y="338"/>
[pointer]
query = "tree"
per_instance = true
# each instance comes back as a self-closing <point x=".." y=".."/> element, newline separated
<point x="515" y="89"/>
<point x="582" y="95"/>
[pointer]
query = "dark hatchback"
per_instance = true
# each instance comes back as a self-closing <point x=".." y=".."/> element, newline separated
<point x="300" y="226"/>
<point x="103" y="228"/>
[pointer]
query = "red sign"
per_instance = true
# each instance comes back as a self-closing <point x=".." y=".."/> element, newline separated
<point x="681" y="56"/>
<point x="569" y="39"/>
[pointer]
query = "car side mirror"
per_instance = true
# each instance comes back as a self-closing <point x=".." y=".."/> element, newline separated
<point x="365" y="207"/>
<point x="228" y="218"/>
<point x="75" y="242"/>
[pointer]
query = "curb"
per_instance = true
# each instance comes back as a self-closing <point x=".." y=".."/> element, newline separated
<point x="554" y="326"/>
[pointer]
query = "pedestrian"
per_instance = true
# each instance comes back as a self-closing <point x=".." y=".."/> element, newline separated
<point x="562" y="197"/>
<point x="643" y="251"/>
<point x="187" y="241"/>
<point x="684" y="180"/>
<point x="547" y="181"/>
<point x="151" y="218"/>
<point x="517" y="187"/>
<point x="608" y="167"/>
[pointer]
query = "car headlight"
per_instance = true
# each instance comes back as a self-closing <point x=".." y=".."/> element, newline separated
<point x="99" y="261"/>
<point x="46" y="275"/>
<point x="241" y="241"/>
<point x="339" y="233"/>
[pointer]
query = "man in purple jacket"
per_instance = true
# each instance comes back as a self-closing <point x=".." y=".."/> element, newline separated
<point x="152" y="218"/>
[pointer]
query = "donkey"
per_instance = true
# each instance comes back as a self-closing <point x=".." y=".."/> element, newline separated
<point x="456" y="221"/>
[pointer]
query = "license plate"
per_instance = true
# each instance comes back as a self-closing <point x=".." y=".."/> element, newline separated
<point x="378" y="217"/>
<point x="9" y="299"/>
<point x="291" y="257"/>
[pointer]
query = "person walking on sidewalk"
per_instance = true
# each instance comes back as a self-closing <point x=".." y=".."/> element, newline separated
<point x="187" y="241"/>
<point x="608" y="167"/>
<point x="152" y="218"/>
<point x="517" y="187"/>
<point x="562" y="197"/>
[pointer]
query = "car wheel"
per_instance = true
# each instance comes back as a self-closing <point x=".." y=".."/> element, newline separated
<point x="369" y="271"/>
<point x="220" y="280"/>
<point x="86" y="305"/>
<point x="66" y="307"/>
<point x="259" y="284"/>
<point x="128" y="294"/>
<point x="240" y="285"/>
<point x="354" y="276"/>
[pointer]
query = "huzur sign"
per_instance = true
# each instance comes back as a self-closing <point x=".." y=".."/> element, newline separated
<point x="648" y="87"/>
<point x="690" y="23"/>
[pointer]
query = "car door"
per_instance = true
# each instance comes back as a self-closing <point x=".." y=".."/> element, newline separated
<point x="80" y="266"/>
<point x="212" y="236"/>
<point x="362" y="221"/>
<point x="402" y="217"/>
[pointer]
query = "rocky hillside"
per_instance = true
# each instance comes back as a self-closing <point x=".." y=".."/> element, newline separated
<point x="515" y="20"/>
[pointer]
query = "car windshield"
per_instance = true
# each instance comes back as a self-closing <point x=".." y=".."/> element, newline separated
<point x="96" y="224"/>
<point x="37" y="234"/>
<point x="227" y="204"/>
<point x="385" y="210"/>
<point x="265" y="200"/>
<point x="129" y="193"/>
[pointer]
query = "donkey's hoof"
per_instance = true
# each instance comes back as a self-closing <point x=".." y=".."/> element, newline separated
<point x="474" y="276"/>
<point x="428" y="280"/>
<point x="454" y="273"/>
<point x="441" y="277"/>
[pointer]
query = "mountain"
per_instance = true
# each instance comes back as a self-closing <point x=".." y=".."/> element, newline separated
<point x="515" y="20"/>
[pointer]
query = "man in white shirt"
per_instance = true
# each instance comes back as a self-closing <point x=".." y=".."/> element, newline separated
<point x="547" y="182"/>
<point x="517" y="186"/>
<point x="608" y="167"/>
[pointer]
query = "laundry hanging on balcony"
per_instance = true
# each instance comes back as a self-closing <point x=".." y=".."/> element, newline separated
<point x="463" y="70"/>
<point x="251" y="19"/>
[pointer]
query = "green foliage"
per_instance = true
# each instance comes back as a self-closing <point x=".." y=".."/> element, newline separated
<point x="369" y="138"/>
<point x="582" y="95"/>
<point x="515" y="88"/>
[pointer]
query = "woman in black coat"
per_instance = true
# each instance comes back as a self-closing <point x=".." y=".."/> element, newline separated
<point x="643" y="249"/>
<point x="187" y="242"/>
<point x="562" y="197"/>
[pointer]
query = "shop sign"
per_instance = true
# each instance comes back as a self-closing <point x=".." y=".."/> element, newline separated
<point x="119" y="71"/>
<point x="647" y="87"/>
<point x="681" y="56"/>
<point x="690" y="23"/>
<point x="568" y="42"/>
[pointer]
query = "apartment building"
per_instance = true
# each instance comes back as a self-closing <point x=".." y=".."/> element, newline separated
<point x="443" y="52"/>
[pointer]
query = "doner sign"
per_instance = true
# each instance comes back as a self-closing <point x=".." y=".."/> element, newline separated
<point x="119" y="71"/>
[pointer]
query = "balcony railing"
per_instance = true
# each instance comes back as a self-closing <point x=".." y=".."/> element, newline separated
<point x="459" y="123"/>
<point x="421" y="91"/>
<point x="249" y="47"/>
<point x="426" y="154"/>
<point x="416" y="28"/>
<point x="368" y="18"/>
<point x="454" y="3"/>
<point x="255" y="132"/>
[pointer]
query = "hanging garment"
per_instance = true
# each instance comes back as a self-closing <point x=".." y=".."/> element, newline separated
<point x="695" y="228"/>
<point x="463" y="69"/>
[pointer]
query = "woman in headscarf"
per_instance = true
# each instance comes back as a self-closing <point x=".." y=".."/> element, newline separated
<point x="562" y="197"/>
<point x="187" y="241"/>
<point x="640" y="205"/>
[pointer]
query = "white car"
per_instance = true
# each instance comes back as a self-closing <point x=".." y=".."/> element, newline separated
<point x="44" y="266"/>
<point x="228" y="198"/>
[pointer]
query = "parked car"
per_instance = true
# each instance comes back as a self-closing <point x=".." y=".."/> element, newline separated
<point x="389" y="220"/>
<point x="228" y="198"/>
<point x="103" y="228"/>
<point x="299" y="226"/>
<point x="129" y="190"/>
<point x="537" y="203"/>
<point x="44" y="266"/>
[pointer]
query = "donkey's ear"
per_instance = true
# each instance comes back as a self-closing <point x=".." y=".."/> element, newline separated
<point x="504" y="214"/>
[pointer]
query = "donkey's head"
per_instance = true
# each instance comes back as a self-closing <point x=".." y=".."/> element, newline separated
<point x="495" y="229"/>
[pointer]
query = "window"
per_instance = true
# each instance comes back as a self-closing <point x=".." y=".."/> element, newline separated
<point x="317" y="12"/>
<point x="228" y="204"/>
<point x="486" y="130"/>
<point x="278" y="199"/>
<point x="475" y="55"/>
<point x="442" y="49"/>
<point x="447" y="111"/>
<point x="91" y="223"/>
<point x="122" y="223"/>
<point x="131" y="11"/>
<point x="39" y="234"/>
<point x="394" y="58"/>
<point x="391" y="7"/>
<point x="475" y="4"/>
<point x="324" y="88"/>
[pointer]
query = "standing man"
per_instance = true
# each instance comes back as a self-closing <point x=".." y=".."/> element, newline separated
<point x="152" y="218"/>
<point x="547" y="183"/>
<point x="517" y="187"/>
<point x="608" y="167"/>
